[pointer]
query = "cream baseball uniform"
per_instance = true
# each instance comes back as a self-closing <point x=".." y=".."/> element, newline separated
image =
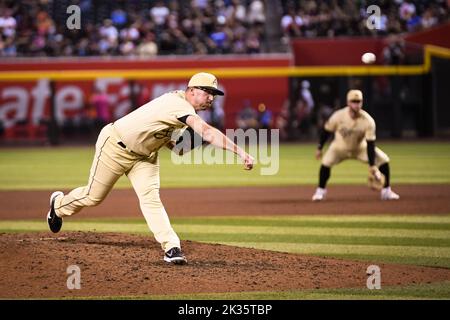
<point x="350" y="137"/>
<point x="130" y="146"/>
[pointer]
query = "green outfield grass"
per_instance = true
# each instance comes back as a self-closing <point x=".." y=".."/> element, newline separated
<point x="49" y="168"/>
<point x="412" y="240"/>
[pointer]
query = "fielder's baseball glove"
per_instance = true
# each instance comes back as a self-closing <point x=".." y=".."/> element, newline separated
<point x="376" y="179"/>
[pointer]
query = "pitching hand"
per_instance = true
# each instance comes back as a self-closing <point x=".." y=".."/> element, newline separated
<point x="248" y="161"/>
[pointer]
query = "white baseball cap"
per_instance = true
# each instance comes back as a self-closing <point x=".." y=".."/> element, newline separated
<point x="205" y="80"/>
<point x="354" y="95"/>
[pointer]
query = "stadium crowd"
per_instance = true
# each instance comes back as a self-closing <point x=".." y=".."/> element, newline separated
<point x="148" y="28"/>
<point x="333" y="18"/>
<point x="131" y="28"/>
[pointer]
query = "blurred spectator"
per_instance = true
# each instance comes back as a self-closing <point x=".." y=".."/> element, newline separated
<point x="256" y="12"/>
<point x="109" y="31"/>
<point x="109" y="38"/>
<point x="7" y="47"/>
<point x="325" y="94"/>
<point x="239" y="43"/>
<point x="100" y="106"/>
<point x="305" y="94"/>
<point x="247" y="118"/>
<point x="264" y="117"/>
<point x="237" y="11"/>
<point x="304" y="109"/>
<point x="253" y="43"/>
<point x="148" y="48"/>
<point x="119" y="17"/>
<point x="127" y="48"/>
<point x="428" y="19"/>
<point x="302" y="120"/>
<point x="44" y="24"/>
<point x="282" y="121"/>
<point x="414" y="23"/>
<point x="394" y="52"/>
<point x="8" y="23"/>
<point x="406" y="10"/>
<point x="291" y="23"/>
<point x="159" y="13"/>
<point x="200" y="4"/>
<point x="221" y="37"/>
<point x="130" y="33"/>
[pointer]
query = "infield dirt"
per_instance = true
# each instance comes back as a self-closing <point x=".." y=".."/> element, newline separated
<point x="34" y="265"/>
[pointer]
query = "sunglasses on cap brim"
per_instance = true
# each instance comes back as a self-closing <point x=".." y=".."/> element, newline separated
<point x="356" y="101"/>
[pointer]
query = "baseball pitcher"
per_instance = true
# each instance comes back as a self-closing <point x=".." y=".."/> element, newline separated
<point x="354" y="138"/>
<point x="130" y="146"/>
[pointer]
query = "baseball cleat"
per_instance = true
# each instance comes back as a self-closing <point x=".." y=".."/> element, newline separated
<point x="54" y="222"/>
<point x="388" y="194"/>
<point x="319" y="195"/>
<point x="175" y="256"/>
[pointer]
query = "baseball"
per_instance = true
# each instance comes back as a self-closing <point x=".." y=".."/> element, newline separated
<point x="368" y="58"/>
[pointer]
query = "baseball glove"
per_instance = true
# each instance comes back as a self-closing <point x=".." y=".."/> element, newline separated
<point x="375" y="179"/>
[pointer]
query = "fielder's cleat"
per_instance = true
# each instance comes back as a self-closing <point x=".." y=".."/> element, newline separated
<point x="54" y="222"/>
<point x="175" y="256"/>
<point x="319" y="195"/>
<point x="388" y="194"/>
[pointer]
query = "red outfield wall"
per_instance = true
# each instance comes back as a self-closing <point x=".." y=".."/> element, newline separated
<point x="30" y="100"/>
<point x="333" y="52"/>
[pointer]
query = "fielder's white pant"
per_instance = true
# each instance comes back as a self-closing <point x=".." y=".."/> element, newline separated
<point x="111" y="161"/>
<point x="335" y="154"/>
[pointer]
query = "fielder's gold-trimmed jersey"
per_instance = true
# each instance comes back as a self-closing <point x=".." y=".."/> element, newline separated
<point x="148" y="128"/>
<point x="350" y="133"/>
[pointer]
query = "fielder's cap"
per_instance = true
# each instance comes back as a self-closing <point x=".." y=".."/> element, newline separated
<point x="354" y="95"/>
<point x="205" y="80"/>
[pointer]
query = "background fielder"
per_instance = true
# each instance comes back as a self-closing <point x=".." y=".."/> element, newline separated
<point x="354" y="138"/>
<point x="130" y="146"/>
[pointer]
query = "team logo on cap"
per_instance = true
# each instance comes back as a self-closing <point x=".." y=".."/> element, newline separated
<point x="215" y="82"/>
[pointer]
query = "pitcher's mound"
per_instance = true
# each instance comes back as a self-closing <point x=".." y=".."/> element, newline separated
<point x="111" y="264"/>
